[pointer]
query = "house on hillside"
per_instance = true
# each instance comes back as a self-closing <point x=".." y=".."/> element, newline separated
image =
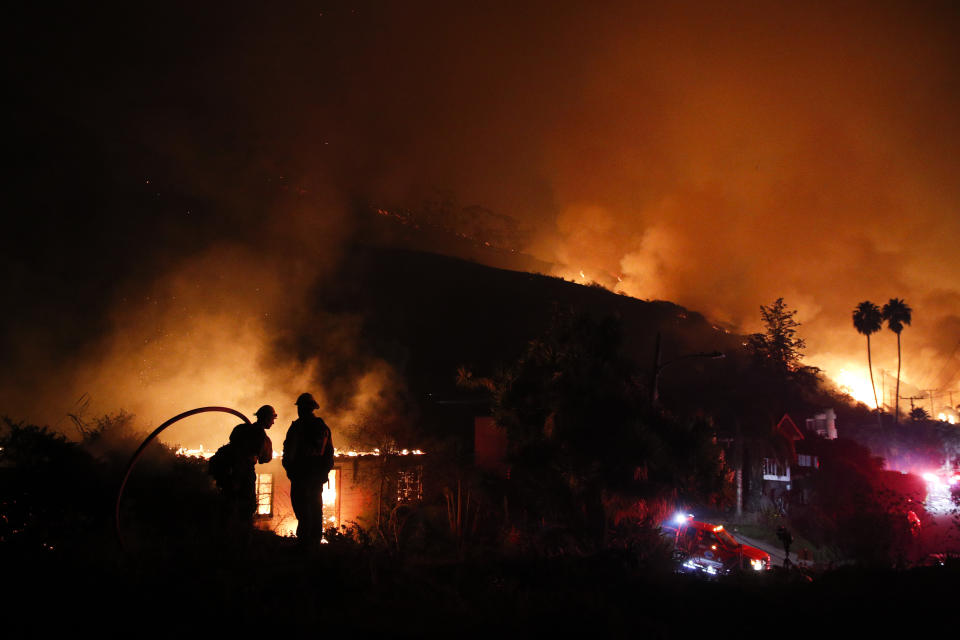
<point x="781" y="477"/>
<point x="824" y="424"/>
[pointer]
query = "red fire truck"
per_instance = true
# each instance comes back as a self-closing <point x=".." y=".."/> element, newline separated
<point x="701" y="546"/>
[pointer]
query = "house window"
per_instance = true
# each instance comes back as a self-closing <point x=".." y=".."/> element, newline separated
<point x="410" y="485"/>
<point x="265" y="494"/>
<point x="331" y="499"/>
<point x="774" y="470"/>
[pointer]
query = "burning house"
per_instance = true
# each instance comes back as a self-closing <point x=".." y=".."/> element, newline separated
<point x="363" y="487"/>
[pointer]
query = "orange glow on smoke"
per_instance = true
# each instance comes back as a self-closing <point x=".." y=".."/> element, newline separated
<point x="856" y="383"/>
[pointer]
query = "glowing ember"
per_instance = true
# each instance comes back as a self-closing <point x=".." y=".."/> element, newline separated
<point x="337" y="453"/>
<point x="198" y="453"/>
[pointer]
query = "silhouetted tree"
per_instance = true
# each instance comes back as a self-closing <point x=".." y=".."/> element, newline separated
<point x="868" y="319"/>
<point x="919" y="414"/>
<point x="779" y="352"/>
<point x="778" y="384"/>
<point x="584" y="444"/>
<point x="897" y="314"/>
<point x="779" y="346"/>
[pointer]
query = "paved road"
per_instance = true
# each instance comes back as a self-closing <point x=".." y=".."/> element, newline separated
<point x="776" y="552"/>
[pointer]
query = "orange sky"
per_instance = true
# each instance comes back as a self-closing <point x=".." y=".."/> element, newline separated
<point x="718" y="155"/>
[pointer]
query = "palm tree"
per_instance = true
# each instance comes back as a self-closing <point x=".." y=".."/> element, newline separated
<point x="868" y="320"/>
<point x="897" y="313"/>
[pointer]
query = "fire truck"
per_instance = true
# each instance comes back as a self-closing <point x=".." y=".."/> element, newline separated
<point x="701" y="546"/>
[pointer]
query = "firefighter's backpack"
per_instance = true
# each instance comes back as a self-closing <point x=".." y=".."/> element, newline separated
<point x="220" y="465"/>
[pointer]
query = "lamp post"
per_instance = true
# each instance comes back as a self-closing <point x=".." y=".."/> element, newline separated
<point x="658" y="367"/>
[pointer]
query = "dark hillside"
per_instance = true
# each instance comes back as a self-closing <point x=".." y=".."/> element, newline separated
<point x="428" y="314"/>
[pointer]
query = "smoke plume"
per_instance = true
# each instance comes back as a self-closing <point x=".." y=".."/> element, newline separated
<point x="719" y="156"/>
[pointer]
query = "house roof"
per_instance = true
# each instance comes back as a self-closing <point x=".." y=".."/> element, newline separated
<point x="789" y="428"/>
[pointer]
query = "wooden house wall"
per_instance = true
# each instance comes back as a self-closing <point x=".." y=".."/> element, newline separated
<point x="358" y="482"/>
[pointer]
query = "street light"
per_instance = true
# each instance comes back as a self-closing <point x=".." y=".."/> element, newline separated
<point x="658" y="367"/>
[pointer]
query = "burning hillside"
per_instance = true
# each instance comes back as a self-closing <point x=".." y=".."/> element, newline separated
<point x="178" y="210"/>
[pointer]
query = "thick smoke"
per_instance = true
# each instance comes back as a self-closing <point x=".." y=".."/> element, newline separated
<point x="716" y="155"/>
<point x="233" y="324"/>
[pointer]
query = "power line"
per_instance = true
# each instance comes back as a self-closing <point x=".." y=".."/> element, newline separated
<point x="912" y="398"/>
<point x="949" y="359"/>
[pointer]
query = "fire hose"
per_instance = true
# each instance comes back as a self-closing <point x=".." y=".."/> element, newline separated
<point x="156" y="432"/>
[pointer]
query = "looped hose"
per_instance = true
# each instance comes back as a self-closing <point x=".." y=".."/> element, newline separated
<point x="156" y="432"/>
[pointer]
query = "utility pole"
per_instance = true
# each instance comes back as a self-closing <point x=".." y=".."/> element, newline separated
<point x="658" y="367"/>
<point x="911" y="399"/>
<point x="738" y="473"/>
<point x="930" y="394"/>
<point x="883" y="388"/>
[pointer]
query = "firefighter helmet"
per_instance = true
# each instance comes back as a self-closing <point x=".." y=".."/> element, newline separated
<point x="306" y="400"/>
<point x="266" y="411"/>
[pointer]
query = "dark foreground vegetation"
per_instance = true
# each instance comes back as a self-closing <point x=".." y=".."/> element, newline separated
<point x="568" y="542"/>
<point x="355" y="589"/>
<point x="179" y="575"/>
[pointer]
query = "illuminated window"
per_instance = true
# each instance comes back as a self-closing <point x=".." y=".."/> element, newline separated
<point x="410" y="485"/>
<point x="265" y="494"/>
<point x="775" y="470"/>
<point x="331" y="511"/>
<point x="807" y="461"/>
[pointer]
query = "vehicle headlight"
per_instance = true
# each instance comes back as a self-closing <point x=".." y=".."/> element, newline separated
<point x="757" y="565"/>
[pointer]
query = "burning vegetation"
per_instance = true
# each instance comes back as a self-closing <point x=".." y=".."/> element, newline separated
<point x="228" y="208"/>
